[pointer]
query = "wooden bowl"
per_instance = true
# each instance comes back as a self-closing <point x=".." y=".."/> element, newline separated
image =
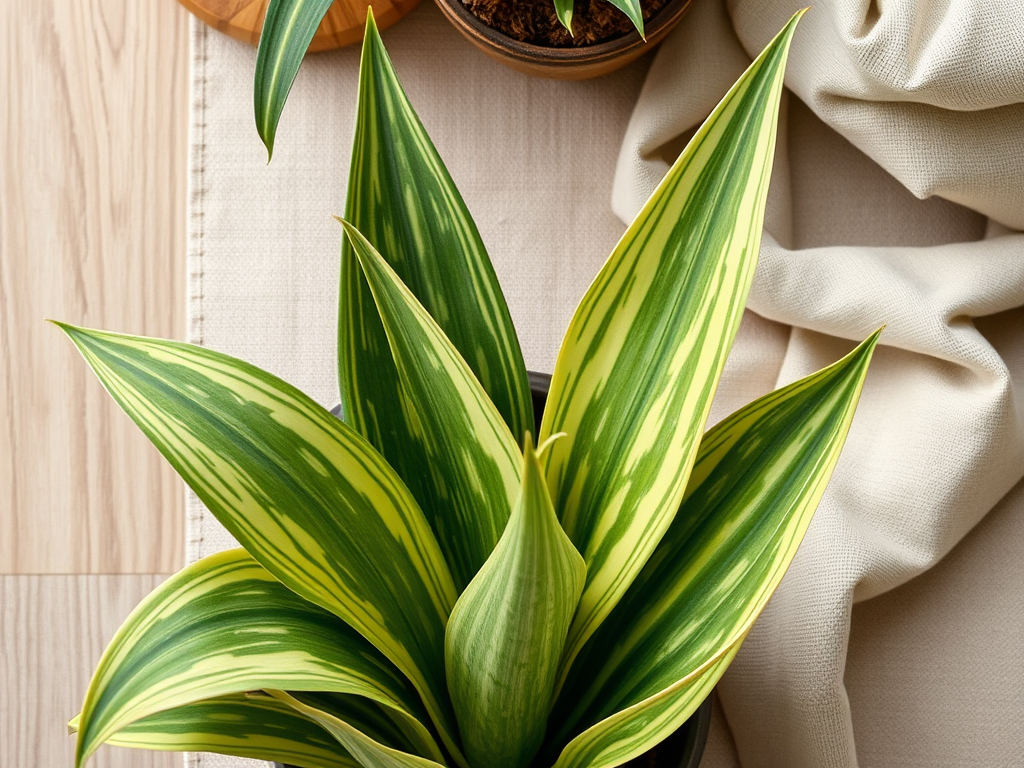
<point x="343" y="24"/>
<point x="564" y="63"/>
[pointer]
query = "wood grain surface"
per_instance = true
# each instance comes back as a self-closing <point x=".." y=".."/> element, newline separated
<point x="93" y="124"/>
<point x="52" y="631"/>
<point x="343" y="25"/>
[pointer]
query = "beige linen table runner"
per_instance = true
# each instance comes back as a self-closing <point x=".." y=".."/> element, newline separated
<point x="895" y="99"/>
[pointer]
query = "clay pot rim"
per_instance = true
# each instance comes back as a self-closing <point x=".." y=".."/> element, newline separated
<point x="550" y="57"/>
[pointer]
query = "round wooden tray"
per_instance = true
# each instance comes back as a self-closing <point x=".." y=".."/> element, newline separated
<point x="343" y="24"/>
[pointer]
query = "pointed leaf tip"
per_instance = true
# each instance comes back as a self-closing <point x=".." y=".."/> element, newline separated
<point x="564" y="12"/>
<point x="288" y="29"/>
<point x="633" y="12"/>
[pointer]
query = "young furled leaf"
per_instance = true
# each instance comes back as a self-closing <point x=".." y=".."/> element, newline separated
<point x="506" y="632"/>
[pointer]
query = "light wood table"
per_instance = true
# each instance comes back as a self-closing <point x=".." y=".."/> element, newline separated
<point x="93" y="123"/>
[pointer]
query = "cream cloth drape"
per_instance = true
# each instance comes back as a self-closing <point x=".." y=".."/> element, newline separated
<point x="933" y="93"/>
<point x="932" y="669"/>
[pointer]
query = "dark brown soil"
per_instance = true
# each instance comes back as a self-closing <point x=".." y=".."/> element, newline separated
<point x="534" y="21"/>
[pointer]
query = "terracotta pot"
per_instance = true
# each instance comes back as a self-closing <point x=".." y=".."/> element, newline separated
<point x="565" y="63"/>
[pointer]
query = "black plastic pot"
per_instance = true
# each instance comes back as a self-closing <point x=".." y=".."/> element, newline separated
<point x="685" y="747"/>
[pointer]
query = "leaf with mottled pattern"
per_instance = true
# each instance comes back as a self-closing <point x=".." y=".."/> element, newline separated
<point x="225" y="625"/>
<point x="757" y="480"/>
<point x="640" y="361"/>
<point x="403" y="200"/>
<point x="261" y="728"/>
<point x="309" y="498"/>
<point x="470" y="462"/>
<point x="633" y="731"/>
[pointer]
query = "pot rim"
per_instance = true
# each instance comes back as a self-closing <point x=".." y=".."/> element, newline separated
<point x="656" y="29"/>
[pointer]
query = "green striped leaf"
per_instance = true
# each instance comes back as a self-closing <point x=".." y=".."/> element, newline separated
<point x="632" y="9"/>
<point x="757" y="480"/>
<point x="401" y="197"/>
<point x="369" y="717"/>
<point x="225" y="625"/>
<point x="507" y="631"/>
<point x="640" y="361"/>
<point x="244" y="726"/>
<point x="465" y="457"/>
<point x="288" y="29"/>
<point x="563" y="10"/>
<point x="300" y="490"/>
<point x="634" y="731"/>
<point x="369" y="752"/>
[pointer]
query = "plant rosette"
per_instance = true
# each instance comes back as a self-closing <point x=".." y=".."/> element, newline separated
<point x="433" y="581"/>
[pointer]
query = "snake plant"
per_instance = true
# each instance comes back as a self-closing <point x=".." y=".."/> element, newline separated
<point x="426" y="582"/>
<point x="288" y="29"/>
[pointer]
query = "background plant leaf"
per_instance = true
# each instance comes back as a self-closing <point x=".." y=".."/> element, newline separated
<point x="225" y="625"/>
<point x="633" y="10"/>
<point x="403" y="200"/>
<point x="506" y="632"/>
<point x="757" y="480"/>
<point x="468" y="462"/>
<point x="312" y="501"/>
<point x="641" y="359"/>
<point x="563" y="10"/>
<point x="288" y="29"/>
